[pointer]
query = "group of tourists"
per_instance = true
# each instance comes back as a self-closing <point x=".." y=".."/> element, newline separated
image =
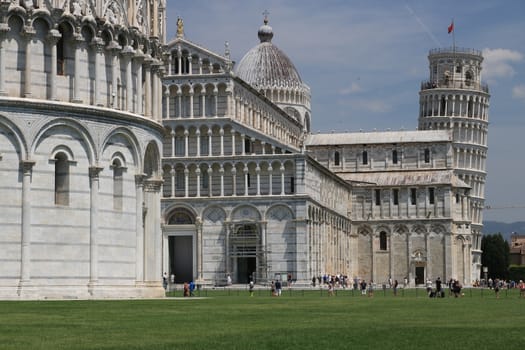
<point x="188" y="289"/>
<point x="276" y="288"/>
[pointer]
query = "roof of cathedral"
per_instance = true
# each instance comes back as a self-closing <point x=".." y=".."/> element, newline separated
<point x="405" y="178"/>
<point x="378" y="137"/>
<point x="266" y="66"/>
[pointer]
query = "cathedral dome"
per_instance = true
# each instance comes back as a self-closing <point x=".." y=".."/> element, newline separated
<point x="266" y="66"/>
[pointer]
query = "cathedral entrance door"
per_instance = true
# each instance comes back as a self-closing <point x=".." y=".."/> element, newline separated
<point x="246" y="268"/>
<point x="244" y="246"/>
<point x="420" y="275"/>
<point x="181" y="258"/>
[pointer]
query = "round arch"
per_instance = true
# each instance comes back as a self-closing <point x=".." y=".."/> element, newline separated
<point x="180" y="215"/>
<point x="128" y="135"/>
<point x="20" y="142"/>
<point x="152" y="160"/>
<point x="74" y="125"/>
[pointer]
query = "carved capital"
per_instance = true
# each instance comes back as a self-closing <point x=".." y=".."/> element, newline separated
<point x="152" y="185"/>
<point x="139" y="179"/>
<point x="27" y="166"/>
<point x="53" y="36"/>
<point x="98" y="44"/>
<point x="94" y="172"/>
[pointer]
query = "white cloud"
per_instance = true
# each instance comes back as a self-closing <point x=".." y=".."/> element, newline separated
<point x="498" y="62"/>
<point x="519" y="92"/>
<point x="352" y="89"/>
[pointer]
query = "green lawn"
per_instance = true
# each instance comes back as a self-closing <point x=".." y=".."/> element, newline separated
<point x="296" y="320"/>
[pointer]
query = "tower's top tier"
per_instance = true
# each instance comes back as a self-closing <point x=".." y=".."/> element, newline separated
<point x="455" y="68"/>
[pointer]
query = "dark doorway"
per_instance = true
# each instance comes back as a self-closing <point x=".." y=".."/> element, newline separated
<point x="245" y="268"/>
<point x="420" y="275"/>
<point x="181" y="258"/>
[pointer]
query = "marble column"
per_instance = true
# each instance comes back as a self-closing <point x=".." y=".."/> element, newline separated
<point x="147" y="86"/>
<point x="28" y="33"/>
<point x="52" y="39"/>
<point x="200" y="250"/>
<point x="77" y="39"/>
<point x="4" y="28"/>
<point x="167" y="101"/>
<point x="93" y="227"/>
<point x="139" y="228"/>
<point x="152" y="233"/>
<point x="25" y="266"/>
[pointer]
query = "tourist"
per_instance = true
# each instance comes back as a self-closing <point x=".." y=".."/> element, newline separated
<point x="165" y="281"/>
<point x="438" y="287"/>
<point x="429" y="286"/>
<point x="278" y="288"/>
<point x="521" y="286"/>
<point x="229" y="280"/>
<point x="313" y="281"/>
<point x="496" y="287"/>
<point x="394" y="286"/>
<point x="330" y="289"/>
<point x="251" y="288"/>
<point x="192" y="288"/>
<point x="186" y="290"/>
<point x="272" y="289"/>
<point x="371" y="288"/>
<point x="363" y="287"/>
<point x="456" y="288"/>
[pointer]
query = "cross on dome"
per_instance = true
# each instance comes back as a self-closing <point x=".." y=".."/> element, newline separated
<point x="265" y="31"/>
<point x="265" y="13"/>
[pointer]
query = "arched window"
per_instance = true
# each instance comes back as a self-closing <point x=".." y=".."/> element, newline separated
<point x="247" y="145"/>
<point x="61" y="179"/>
<point x="431" y="195"/>
<point x="206" y="180"/>
<point x="336" y="158"/>
<point x="174" y="63"/>
<point x="382" y="241"/>
<point x="365" y="157"/>
<point x="180" y="181"/>
<point x="180" y="147"/>
<point x="118" y="184"/>
<point x="185" y="64"/>
<point x="395" y="196"/>
<point x="60" y="57"/>
<point x="204" y="144"/>
<point x="468" y="78"/>
<point x="394" y="157"/>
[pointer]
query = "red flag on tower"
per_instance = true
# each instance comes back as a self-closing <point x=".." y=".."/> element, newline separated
<point x="451" y="27"/>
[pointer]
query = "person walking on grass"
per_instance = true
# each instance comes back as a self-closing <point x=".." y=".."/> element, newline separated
<point x="394" y="287"/>
<point x="363" y="287"/>
<point x="192" y="288"/>
<point x="251" y="286"/>
<point x="278" y="288"/>
<point x="496" y="287"/>
<point x="438" y="285"/>
<point x="371" y="288"/>
<point x="521" y="286"/>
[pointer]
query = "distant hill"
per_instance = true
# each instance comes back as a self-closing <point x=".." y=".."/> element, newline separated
<point x="506" y="229"/>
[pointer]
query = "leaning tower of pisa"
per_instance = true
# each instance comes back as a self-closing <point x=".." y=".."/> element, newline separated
<point x="455" y="98"/>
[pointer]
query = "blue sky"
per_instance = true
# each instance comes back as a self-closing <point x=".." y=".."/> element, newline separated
<point x="364" y="61"/>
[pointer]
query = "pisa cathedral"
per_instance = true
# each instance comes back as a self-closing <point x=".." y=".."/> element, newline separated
<point x="125" y="155"/>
